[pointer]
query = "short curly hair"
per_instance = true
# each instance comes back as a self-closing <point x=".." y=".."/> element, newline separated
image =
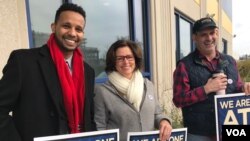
<point x="70" y="7"/>
<point x="111" y="54"/>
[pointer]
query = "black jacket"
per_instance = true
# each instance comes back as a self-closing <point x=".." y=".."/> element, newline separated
<point x="30" y="88"/>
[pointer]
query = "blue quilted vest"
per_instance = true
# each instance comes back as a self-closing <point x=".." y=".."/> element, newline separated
<point x="200" y="117"/>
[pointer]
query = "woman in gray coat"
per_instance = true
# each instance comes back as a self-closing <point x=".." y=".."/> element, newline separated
<point x="127" y="100"/>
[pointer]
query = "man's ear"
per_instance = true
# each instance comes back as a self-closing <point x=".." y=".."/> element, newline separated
<point x="217" y="31"/>
<point x="53" y="27"/>
<point x="194" y="37"/>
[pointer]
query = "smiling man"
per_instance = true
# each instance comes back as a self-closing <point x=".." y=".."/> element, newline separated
<point x="194" y="85"/>
<point x="49" y="89"/>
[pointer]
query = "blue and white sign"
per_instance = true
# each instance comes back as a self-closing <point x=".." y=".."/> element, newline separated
<point x="179" y="134"/>
<point x="231" y="109"/>
<point x="105" y="135"/>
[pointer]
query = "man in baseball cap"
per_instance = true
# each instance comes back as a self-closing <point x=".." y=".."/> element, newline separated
<point x="194" y="87"/>
<point x="203" y="23"/>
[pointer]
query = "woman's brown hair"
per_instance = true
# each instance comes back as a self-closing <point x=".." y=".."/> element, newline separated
<point x="111" y="54"/>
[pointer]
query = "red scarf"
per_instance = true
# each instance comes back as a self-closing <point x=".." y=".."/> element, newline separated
<point x="73" y="86"/>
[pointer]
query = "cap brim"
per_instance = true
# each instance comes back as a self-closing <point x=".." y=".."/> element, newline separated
<point x="207" y="26"/>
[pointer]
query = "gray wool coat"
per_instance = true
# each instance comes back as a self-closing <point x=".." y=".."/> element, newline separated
<point x="113" y="111"/>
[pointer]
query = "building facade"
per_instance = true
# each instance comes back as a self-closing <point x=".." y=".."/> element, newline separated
<point x="163" y="27"/>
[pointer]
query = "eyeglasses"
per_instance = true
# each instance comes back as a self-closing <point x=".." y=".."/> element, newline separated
<point x="122" y="58"/>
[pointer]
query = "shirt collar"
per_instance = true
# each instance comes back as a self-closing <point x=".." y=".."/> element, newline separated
<point x="201" y="56"/>
<point x="69" y="60"/>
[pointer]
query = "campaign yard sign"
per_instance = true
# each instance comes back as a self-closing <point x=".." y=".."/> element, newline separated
<point x="179" y="134"/>
<point x="105" y="135"/>
<point x="232" y="113"/>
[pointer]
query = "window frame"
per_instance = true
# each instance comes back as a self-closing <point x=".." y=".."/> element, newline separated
<point x="146" y="32"/>
<point x="178" y="16"/>
<point x="225" y="46"/>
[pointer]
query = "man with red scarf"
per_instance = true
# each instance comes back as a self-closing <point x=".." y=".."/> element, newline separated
<point x="46" y="95"/>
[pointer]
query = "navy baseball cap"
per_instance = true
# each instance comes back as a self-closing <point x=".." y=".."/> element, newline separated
<point x="203" y="23"/>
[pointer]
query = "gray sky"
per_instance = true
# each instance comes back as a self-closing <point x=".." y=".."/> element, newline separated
<point x="241" y="27"/>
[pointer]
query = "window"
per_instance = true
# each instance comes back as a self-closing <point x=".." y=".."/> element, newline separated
<point x="106" y="21"/>
<point x="184" y="43"/>
<point x="224" y="46"/>
<point x="40" y="20"/>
